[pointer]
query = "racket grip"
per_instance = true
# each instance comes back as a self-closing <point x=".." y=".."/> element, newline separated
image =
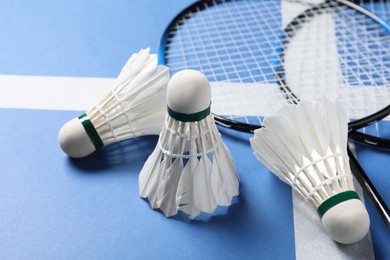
<point x="369" y="188"/>
<point x="235" y="125"/>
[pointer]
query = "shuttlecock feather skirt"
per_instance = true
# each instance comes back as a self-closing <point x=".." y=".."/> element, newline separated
<point x="190" y="169"/>
<point x="305" y="146"/>
<point x="135" y="105"/>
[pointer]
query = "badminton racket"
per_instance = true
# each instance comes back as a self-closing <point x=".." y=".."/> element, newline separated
<point x="259" y="55"/>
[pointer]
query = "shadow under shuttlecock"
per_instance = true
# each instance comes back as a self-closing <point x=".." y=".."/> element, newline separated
<point x="128" y="153"/>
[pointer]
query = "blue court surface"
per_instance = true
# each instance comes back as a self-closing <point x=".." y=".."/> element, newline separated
<point x="54" y="207"/>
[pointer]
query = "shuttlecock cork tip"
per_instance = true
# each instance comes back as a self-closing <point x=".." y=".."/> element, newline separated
<point x="347" y="222"/>
<point x="74" y="140"/>
<point x="188" y="92"/>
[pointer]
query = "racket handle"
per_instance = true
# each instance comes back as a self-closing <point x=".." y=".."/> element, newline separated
<point x="235" y="125"/>
<point x="369" y="188"/>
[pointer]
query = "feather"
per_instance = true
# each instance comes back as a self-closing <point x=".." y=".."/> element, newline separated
<point x="134" y="106"/>
<point x="305" y="146"/>
<point x="302" y="145"/>
<point x="185" y="197"/>
<point x="203" y="197"/>
<point x="224" y="178"/>
<point x="167" y="188"/>
<point x="150" y="177"/>
<point x="197" y="173"/>
<point x="185" y="193"/>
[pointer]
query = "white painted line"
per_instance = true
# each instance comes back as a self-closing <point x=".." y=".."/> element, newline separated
<point x="54" y="93"/>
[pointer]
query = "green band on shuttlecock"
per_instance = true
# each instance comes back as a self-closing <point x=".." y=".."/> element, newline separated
<point x="91" y="131"/>
<point x="336" y="199"/>
<point x="189" y="117"/>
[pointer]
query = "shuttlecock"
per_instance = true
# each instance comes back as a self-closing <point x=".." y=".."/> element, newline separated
<point x="191" y="169"/>
<point x="135" y="106"/>
<point x="305" y="145"/>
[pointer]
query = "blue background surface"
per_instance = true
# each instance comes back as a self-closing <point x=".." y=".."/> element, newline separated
<point x="79" y="38"/>
<point x="54" y="207"/>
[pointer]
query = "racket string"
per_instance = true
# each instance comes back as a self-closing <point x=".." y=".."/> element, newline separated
<point x="238" y="42"/>
<point x="307" y="48"/>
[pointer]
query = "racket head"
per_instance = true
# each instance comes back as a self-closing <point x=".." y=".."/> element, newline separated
<point x="258" y="56"/>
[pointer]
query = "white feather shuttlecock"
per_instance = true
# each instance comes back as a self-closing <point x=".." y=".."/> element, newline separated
<point x="191" y="169"/>
<point x="135" y="106"/>
<point x="305" y="145"/>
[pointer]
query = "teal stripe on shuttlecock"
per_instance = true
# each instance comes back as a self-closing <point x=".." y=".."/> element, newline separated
<point x="336" y="199"/>
<point x="189" y="117"/>
<point x="91" y="131"/>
